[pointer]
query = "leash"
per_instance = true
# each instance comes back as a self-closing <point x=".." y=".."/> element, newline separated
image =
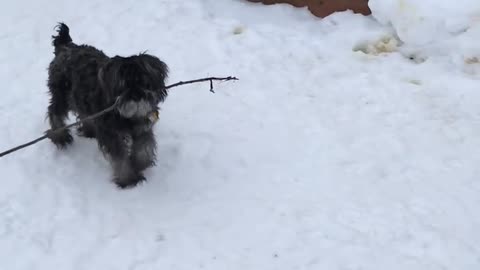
<point x="109" y="109"/>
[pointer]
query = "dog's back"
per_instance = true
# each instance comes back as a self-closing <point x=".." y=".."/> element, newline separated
<point x="72" y="61"/>
<point x="73" y="65"/>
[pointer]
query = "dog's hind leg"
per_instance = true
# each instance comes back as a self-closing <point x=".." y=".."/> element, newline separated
<point x="58" y="113"/>
<point x="143" y="151"/>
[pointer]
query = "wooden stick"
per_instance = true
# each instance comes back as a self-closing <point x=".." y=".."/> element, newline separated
<point x="109" y="109"/>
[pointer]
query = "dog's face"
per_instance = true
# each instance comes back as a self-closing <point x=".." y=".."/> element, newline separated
<point x="139" y="80"/>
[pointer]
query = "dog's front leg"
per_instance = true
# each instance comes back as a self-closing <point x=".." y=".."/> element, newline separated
<point x="118" y="148"/>
<point x="143" y="150"/>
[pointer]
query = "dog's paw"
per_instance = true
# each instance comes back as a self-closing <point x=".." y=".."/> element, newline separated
<point x="129" y="182"/>
<point x="61" y="139"/>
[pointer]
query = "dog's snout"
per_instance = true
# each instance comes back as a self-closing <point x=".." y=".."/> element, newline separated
<point x="135" y="109"/>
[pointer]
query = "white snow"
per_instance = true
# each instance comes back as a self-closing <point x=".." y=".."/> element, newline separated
<point x="322" y="156"/>
<point x="422" y="22"/>
<point x="434" y="28"/>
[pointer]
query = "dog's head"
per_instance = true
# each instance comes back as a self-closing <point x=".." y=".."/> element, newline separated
<point x="139" y="80"/>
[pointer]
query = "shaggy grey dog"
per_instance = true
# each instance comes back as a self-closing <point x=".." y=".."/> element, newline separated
<point x="83" y="80"/>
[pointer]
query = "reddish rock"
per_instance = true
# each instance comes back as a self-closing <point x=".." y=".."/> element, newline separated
<point x="323" y="8"/>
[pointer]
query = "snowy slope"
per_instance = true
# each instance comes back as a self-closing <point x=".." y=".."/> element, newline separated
<point x="320" y="157"/>
<point x="440" y="30"/>
<point x="426" y="21"/>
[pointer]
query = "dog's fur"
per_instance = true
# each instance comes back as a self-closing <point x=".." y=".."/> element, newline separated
<point x="84" y="80"/>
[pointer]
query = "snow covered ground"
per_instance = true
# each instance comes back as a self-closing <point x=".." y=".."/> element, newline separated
<point x="322" y="156"/>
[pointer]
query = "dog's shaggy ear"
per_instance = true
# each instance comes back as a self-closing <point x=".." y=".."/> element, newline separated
<point x="156" y="72"/>
<point x="111" y="79"/>
<point x="154" y="66"/>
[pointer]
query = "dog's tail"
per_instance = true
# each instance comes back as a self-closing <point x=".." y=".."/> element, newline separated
<point x="63" y="38"/>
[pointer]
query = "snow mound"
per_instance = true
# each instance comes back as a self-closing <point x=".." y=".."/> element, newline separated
<point x="434" y="29"/>
<point x="422" y="22"/>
